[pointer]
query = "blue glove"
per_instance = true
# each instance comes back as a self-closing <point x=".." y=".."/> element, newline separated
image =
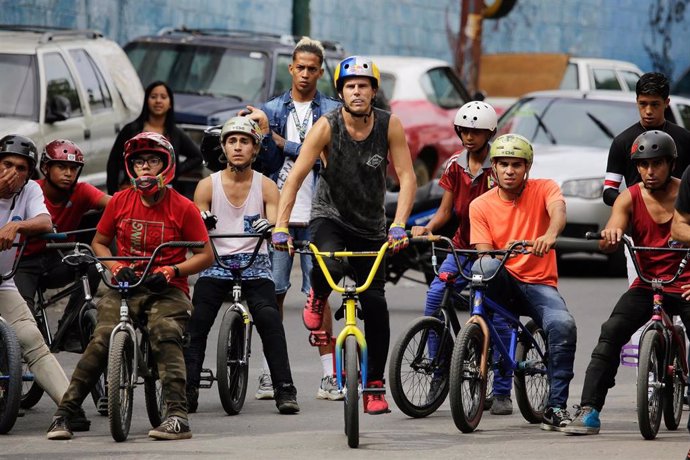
<point x="397" y="237"/>
<point x="282" y="240"/>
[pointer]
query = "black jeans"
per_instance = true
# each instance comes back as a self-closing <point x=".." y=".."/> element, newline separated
<point x="328" y="235"/>
<point x="633" y="309"/>
<point x="209" y="294"/>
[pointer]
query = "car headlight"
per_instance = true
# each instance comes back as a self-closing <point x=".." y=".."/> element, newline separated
<point x="583" y="188"/>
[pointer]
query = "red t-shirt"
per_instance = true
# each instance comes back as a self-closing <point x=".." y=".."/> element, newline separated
<point x="66" y="217"/>
<point x="457" y="179"/>
<point x="139" y="229"/>
<point x="646" y="232"/>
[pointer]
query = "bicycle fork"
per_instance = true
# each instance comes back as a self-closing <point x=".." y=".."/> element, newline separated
<point x="125" y="325"/>
<point x="350" y="329"/>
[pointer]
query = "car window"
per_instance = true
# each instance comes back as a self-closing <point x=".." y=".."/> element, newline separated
<point x="325" y="84"/>
<point x="570" y="77"/>
<point x="684" y="110"/>
<point x="584" y="122"/>
<point x="92" y="80"/>
<point x="18" y="86"/>
<point x="630" y="79"/>
<point x="59" y="82"/>
<point x="606" y="79"/>
<point x="443" y="88"/>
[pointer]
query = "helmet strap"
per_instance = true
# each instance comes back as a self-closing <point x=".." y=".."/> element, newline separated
<point x="360" y="115"/>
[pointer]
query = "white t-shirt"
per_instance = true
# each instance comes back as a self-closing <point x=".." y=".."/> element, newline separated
<point x="29" y="204"/>
<point x="302" y="209"/>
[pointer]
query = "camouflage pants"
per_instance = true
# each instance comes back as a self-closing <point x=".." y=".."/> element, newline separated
<point x="167" y="315"/>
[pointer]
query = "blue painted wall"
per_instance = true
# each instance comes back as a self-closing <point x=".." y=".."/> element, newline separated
<point x="619" y="29"/>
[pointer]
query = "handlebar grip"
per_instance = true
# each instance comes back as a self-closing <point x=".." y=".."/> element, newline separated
<point x="70" y="245"/>
<point x="186" y="244"/>
<point x="301" y="244"/>
<point x="53" y="236"/>
<point x="425" y="239"/>
<point x="593" y="236"/>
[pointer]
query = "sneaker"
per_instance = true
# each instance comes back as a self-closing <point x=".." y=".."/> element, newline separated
<point x="375" y="403"/>
<point x="586" y="421"/>
<point x="192" y="398"/>
<point x="286" y="399"/>
<point x="59" y="429"/>
<point x="502" y="405"/>
<point x="312" y="316"/>
<point x="329" y="389"/>
<point x="434" y="389"/>
<point x="265" y="390"/>
<point x="555" y="419"/>
<point x="172" y="428"/>
<point x="79" y="422"/>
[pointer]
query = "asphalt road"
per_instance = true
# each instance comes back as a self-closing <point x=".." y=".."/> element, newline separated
<point x="317" y="431"/>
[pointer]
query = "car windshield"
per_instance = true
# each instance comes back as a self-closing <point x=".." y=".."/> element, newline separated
<point x="204" y="70"/>
<point x="18" y="86"/>
<point x="567" y="121"/>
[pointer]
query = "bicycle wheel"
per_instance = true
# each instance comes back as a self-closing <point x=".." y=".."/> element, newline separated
<point x="31" y="390"/>
<point x="650" y="375"/>
<point x="121" y="392"/>
<point x="467" y="386"/>
<point x="153" y="391"/>
<point x="532" y="384"/>
<point x="88" y="326"/>
<point x="352" y="394"/>
<point x="232" y="372"/>
<point x="10" y="377"/>
<point x="418" y="382"/>
<point x="674" y="386"/>
<point x="490" y="374"/>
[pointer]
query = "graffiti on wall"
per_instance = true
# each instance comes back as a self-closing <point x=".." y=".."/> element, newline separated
<point x="663" y="15"/>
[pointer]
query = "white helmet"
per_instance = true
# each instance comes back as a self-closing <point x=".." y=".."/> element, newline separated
<point x="476" y="115"/>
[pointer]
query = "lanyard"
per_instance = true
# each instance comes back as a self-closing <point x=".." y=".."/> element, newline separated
<point x="301" y="127"/>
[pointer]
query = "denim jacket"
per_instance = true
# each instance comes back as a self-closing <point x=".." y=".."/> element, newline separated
<point x="278" y="111"/>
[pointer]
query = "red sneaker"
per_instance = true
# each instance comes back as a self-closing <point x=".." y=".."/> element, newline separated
<point x="312" y="315"/>
<point x="375" y="403"/>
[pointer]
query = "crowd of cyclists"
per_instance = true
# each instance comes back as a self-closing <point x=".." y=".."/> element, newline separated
<point x="306" y="166"/>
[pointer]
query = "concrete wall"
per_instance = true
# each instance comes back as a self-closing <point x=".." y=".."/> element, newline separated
<point x="619" y="29"/>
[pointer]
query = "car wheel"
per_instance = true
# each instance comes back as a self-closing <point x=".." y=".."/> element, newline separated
<point x="421" y="170"/>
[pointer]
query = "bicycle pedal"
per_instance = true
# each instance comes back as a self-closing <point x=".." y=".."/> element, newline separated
<point x="207" y="378"/>
<point x="319" y="338"/>
<point x="371" y="390"/>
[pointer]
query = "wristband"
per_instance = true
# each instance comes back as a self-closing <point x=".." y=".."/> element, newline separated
<point x="177" y="270"/>
<point x="395" y="225"/>
<point x="281" y="230"/>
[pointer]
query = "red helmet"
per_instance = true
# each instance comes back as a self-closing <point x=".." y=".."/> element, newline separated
<point x="148" y="142"/>
<point x="62" y="150"/>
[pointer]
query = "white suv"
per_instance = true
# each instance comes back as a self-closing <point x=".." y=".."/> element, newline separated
<point x="71" y="84"/>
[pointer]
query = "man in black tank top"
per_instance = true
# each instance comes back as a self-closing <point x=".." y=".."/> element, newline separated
<point x="354" y="144"/>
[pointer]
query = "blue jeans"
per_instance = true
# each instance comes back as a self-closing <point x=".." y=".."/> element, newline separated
<point x="546" y="306"/>
<point x="502" y="384"/>
<point x="281" y="263"/>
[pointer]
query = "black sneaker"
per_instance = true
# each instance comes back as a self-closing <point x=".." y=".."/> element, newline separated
<point x="172" y="428"/>
<point x="79" y="422"/>
<point x="286" y="398"/>
<point x="555" y="419"/>
<point x="192" y="399"/>
<point x="59" y="429"/>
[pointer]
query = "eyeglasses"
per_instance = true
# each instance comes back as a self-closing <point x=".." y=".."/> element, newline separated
<point x="153" y="161"/>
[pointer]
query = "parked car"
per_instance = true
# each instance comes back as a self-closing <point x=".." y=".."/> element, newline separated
<point x="73" y="84"/>
<point x="214" y="73"/>
<point x="571" y="132"/>
<point x="425" y="93"/>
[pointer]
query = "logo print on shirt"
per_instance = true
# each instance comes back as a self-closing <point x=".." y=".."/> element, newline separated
<point x="375" y="161"/>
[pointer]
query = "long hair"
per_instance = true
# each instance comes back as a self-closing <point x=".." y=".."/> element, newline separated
<point x="169" y="116"/>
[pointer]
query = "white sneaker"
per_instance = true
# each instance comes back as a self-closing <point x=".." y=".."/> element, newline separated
<point x="329" y="389"/>
<point x="265" y="390"/>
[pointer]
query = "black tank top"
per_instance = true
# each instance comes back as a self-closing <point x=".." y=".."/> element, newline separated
<point x="352" y="187"/>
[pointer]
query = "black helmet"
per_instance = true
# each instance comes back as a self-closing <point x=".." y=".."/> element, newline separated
<point x="20" y="145"/>
<point x="653" y="144"/>
<point x="211" y="151"/>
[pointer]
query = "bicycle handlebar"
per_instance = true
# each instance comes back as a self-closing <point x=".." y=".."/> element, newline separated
<point x="260" y="237"/>
<point x="632" y="250"/>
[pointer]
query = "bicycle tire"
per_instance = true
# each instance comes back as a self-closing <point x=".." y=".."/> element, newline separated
<point x="31" y="390"/>
<point x="153" y="391"/>
<point x="10" y="377"/>
<point x="532" y="385"/>
<point x="232" y="374"/>
<point x="88" y="326"/>
<point x="467" y="386"/>
<point x="650" y="374"/>
<point x="410" y="373"/>
<point x="120" y="397"/>
<point x="674" y="386"/>
<point x="490" y="374"/>
<point x="352" y="394"/>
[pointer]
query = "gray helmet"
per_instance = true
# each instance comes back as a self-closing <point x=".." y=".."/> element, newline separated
<point x="19" y="145"/>
<point x="653" y="144"/>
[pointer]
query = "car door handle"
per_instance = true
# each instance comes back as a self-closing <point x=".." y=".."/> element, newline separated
<point x="87" y="134"/>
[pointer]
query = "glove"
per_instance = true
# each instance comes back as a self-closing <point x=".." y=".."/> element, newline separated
<point x="261" y="226"/>
<point x="397" y="237"/>
<point x="159" y="280"/>
<point x="210" y="220"/>
<point x="282" y="240"/>
<point x="124" y="274"/>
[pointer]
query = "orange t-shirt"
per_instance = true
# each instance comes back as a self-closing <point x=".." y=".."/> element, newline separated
<point x="496" y="222"/>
